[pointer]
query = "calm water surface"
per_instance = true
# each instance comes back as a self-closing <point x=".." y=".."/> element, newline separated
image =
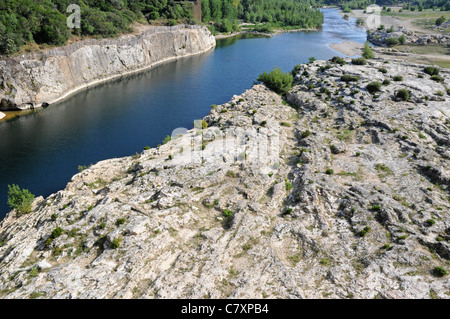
<point x="42" y="150"/>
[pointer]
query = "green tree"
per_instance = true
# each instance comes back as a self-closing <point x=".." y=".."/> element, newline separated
<point x="277" y="80"/>
<point x="20" y="199"/>
<point x="440" y="20"/>
<point x="367" y="51"/>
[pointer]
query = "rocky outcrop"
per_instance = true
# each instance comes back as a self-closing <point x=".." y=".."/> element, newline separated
<point x="40" y="79"/>
<point x="380" y="37"/>
<point x="335" y="193"/>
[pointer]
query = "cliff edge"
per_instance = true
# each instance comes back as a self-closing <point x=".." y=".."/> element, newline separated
<point x="38" y="79"/>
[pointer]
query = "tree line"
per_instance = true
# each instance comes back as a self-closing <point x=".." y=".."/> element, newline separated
<point x="44" y="21"/>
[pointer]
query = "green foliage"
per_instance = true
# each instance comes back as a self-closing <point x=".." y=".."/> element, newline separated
<point x="116" y="243"/>
<point x="440" y="20"/>
<point x="398" y="78"/>
<point x="402" y="39"/>
<point x="359" y="61"/>
<point x="56" y="232"/>
<point x="431" y="70"/>
<point x="436" y="78"/>
<point x="402" y="94"/>
<point x="329" y="171"/>
<point x="373" y="87"/>
<point x="20" y="199"/>
<point x="367" y="51"/>
<point x="277" y="80"/>
<point x="349" y="78"/>
<point x="338" y="60"/>
<point x="391" y="41"/>
<point x="45" y="21"/>
<point x="439" y="271"/>
<point x="305" y="134"/>
<point x="282" y="13"/>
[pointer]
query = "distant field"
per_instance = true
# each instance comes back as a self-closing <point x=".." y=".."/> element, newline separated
<point x="426" y="13"/>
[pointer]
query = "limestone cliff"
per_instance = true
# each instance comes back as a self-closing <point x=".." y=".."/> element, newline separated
<point x="344" y="193"/>
<point x="43" y="78"/>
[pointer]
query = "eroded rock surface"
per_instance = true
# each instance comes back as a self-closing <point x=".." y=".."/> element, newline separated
<point x="341" y="194"/>
<point x="41" y="79"/>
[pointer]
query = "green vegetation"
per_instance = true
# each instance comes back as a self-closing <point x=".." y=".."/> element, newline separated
<point x="283" y="13"/>
<point x="359" y="61"/>
<point x="373" y="87"/>
<point x="439" y="271"/>
<point x="398" y="78"/>
<point x="349" y="78"/>
<point x="402" y="94"/>
<point x="431" y="70"/>
<point x="20" y="199"/>
<point x="440" y="20"/>
<point x="402" y="39"/>
<point x="31" y="22"/>
<point x="391" y="41"/>
<point x="367" y="51"/>
<point x="277" y="80"/>
<point x="338" y="60"/>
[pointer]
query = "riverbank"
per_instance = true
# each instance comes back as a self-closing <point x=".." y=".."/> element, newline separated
<point x="44" y="78"/>
<point x="423" y="39"/>
<point x="348" y="48"/>
<point x="267" y="34"/>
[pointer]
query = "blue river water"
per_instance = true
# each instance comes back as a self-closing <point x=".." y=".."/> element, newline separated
<point x="42" y="150"/>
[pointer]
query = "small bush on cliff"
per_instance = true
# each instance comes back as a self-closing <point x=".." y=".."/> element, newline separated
<point x="431" y="70"/>
<point x="402" y="94"/>
<point x="277" y="80"/>
<point x="359" y="61"/>
<point x="349" y="78"/>
<point x="20" y="199"/>
<point x="373" y="87"/>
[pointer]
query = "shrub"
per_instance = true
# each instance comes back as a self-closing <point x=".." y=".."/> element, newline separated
<point x="367" y="51"/>
<point x="329" y="171"/>
<point x="431" y="70"/>
<point x="338" y="60"/>
<point x="116" y="243"/>
<point x="20" y="199"/>
<point x="364" y="231"/>
<point x="349" y="78"/>
<point x="436" y="78"/>
<point x="402" y="39"/>
<point x="56" y="232"/>
<point x="383" y="70"/>
<point x="373" y="87"/>
<point x="439" y="271"/>
<point x="440" y="20"/>
<point x="386" y="82"/>
<point x="398" y="78"/>
<point x="277" y="80"/>
<point x="402" y="94"/>
<point x="305" y="134"/>
<point x="167" y="139"/>
<point x="359" y="61"/>
<point x="172" y="22"/>
<point x="392" y="41"/>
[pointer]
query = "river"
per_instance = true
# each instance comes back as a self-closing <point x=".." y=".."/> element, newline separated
<point x="42" y="150"/>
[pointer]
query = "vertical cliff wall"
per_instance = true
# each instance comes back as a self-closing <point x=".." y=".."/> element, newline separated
<point x="43" y="78"/>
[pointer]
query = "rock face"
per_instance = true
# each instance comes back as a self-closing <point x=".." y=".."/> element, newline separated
<point x="343" y="194"/>
<point x="380" y="37"/>
<point x="39" y="79"/>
